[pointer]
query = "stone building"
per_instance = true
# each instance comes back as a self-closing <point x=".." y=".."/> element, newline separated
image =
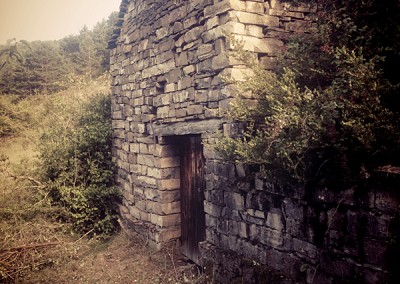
<point x="168" y="103"/>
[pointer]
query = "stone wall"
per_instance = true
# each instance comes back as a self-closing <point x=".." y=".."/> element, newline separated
<point x="167" y="61"/>
<point x="166" y="68"/>
<point x="315" y="234"/>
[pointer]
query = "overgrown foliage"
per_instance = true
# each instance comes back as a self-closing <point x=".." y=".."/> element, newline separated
<point x="76" y="160"/>
<point x="326" y="115"/>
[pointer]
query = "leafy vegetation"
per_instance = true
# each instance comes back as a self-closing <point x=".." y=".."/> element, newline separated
<point x="327" y="114"/>
<point x="75" y="150"/>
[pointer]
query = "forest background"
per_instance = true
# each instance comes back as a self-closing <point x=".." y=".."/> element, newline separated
<point x="49" y="66"/>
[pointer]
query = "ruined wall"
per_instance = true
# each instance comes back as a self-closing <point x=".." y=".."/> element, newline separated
<point x="166" y="65"/>
<point x="349" y="236"/>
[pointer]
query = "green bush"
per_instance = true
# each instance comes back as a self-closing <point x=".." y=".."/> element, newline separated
<point x="76" y="158"/>
<point x="324" y="116"/>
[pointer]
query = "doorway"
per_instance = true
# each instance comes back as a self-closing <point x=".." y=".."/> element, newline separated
<point x="192" y="186"/>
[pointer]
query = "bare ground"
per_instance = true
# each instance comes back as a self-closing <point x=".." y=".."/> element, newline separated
<point x="123" y="259"/>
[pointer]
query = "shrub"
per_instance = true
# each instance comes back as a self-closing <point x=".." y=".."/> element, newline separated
<point x="76" y="158"/>
<point x="323" y="116"/>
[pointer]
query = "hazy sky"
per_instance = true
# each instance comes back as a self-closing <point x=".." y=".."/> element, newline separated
<point x="50" y="19"/>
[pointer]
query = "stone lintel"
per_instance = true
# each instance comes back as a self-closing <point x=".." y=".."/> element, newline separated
<point x="187" y="127"/>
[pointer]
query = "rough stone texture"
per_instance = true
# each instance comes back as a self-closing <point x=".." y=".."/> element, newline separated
<point x="166" y="60"/>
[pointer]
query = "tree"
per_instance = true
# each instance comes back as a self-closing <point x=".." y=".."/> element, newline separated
<point x="11" y="51"/>
<point x="47" y="67"/>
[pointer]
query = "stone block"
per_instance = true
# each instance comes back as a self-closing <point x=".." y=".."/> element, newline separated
<point x="271" y="237"/>
<point x="165" y="235"/>
<point x="255" y="19"/>
<point x="275" y="221"/>
<point x="253" y="30"/>
<point x="212" y="209"/>
<point x="184" y="83"/>
<point x="211" y="113"/>
<point x="168" y="196"/>
<point x="158" y="69"/>
<point x="205" y="51"/>
<point x="303" y="7"/>
<point x="255" y="7"/>
<point x="294" y="216"/>
<point x="134" y="212"/>
<point x="373" y="276"/>
<point x="223" y="6"/>
<point x="193" y="34"/>
<point x="118" y="124"/>
<point x="169" y="162"/>
<point x="211" y="221"/>
<point x="238" y="228"/>
<point x="151" y="194"/>
<point x="182" y="112"/>
<point x="189" y="22"/>
<point x="163" y="112"/>
<point x="165" y="221"/>
<point x="166" y="150"/>
<point x="254" y="232"/>
<point x="181" y="59"/>
<point x="172" y="76"/>
<point x="212" y="22"/>
<point x="154" y="172"/>
<point x="223" y="226"/>
<point x="305" y="249"/>
<point x="195" y="109"/>
<point x="262" y="45"/>
<point x="234" y="200"/>
<point x="169" y="184"/>
<point x="220" y="61"/>
<point x="163" y="208"/>
<point x="187" y="70"/>
<point x="170" y="87"/>
<point x="131" y="159"/>
<point x="177" y="27"/>
<point x="147" y="181"/>
<point x="147" y="160"/>
<point x="201" y="96"/>
<point x="285" y="13"/>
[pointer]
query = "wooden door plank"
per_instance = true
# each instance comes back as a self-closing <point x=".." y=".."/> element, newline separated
<point x="192" y="196"/>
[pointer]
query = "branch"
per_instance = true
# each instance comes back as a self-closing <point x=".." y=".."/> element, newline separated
<point x="38" y="183"/>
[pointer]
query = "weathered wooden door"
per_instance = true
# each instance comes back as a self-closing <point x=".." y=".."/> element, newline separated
<point x="192" y="196"/>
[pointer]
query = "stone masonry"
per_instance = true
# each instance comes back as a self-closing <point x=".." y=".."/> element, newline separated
<point x="167" y="61"/>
